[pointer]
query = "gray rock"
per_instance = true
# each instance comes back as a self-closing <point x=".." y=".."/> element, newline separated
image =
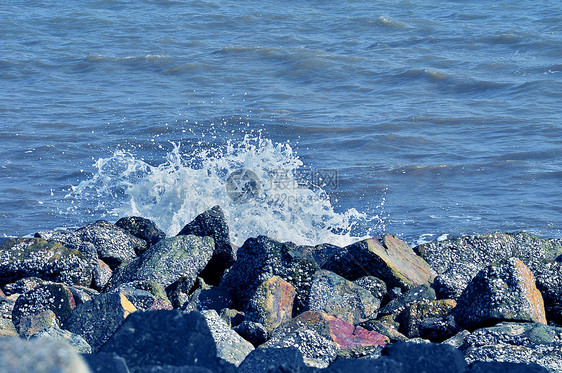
<point x="369" y="365"/>
<point x="376" y="286"/>
<point x="264" y="360"/>
<point x="101" y="275"/>
<point x="502" y="367"/>
<point x="500" y="292"/>
<point x="402" y="302"/>
<point x="548" y="277"/>
<point x="104" y="362"/>
<point x="253" y="332"/>
<point x="337" y="296"/>
<point x="426" y="357"/>
<point x="142" y="228"/>
<point x="22" y="285"/>
<point x="55" y="333"/>
<point x="168" y="261"/>
<point x="230" y="345"/>
<point x="39" y="356"/>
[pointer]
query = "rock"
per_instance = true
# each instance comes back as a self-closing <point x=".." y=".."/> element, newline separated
<point x="230" y="346"/>
<point x="378" y="365"/>
<point x="321" y="253"/>
<point x="142" y="228"/>
<point x="164" y="337"/>
<point x="253" y="332"/>
<point x="99" y="318"/>
<point x="143" y="300"/>
<point x="426" y="357"/>
<point x="502" y="292"/>
<point x="265" y="360"/>
<point x="374" y="285"/>
<point x="102" y="362"/>
<point x="82" y="294"/>
<point x="34" y="323"/>
<point x="497" y="367"/>
<point x="337" y="296"/>
<point x="29" y="307"/>
<point x="417" y="312"/>
<point x="548" y="277"/>
<point x="232" y="317"/>
<point x="39" y="356"/>
<point x="55" y="333"/>
<point x="212" y="298"/>
<point x="22" y="285"/>
<point x="7" y="328"/>
<point x="385" y="328"/>
<point x="212" y="223"/>
<point x="167" y="261"/>
<point x="101" y="275"/>
<point x="387" y="258"/>
<point x="261" y="258"/>
<point x="458" y="260"/>
<point x="398" y="305"/>
<point x="439" y="328"/>
<point x="272" y="303"/>
<point x="7" y="306"/>
<point x="27" y="257"/>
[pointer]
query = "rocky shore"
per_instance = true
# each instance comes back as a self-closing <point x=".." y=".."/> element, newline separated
<point x="125" y="298"/>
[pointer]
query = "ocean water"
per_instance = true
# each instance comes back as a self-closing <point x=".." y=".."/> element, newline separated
<point x="309" y="121"/>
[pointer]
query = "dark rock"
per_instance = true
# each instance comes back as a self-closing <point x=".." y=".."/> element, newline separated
<point x="143" y="300"/>
<point x="39" y="356"/>
<point x="374" y="285"/>
<point x="209" y="299"/>
<point x="337" y="296"/>
<point x="7" y="328"/>
<point x="264" y="360"/>
<point x="439" y="328"/>
<point x="99" y="318"/>
<point x="502" y="292"/>
<point x="378" y="365"/>
<point x="417" y="312"/>
<point x="389" y="329"/>
<point x="212" y="223"/>
<point x="232" y="317"/>
<point x="23" y="285"/>
<point x="272" y="303"/>
<point x="261" y="258"/>
<point x="34" y="323"/>
<point x="101" y="275"/>
<point x="502" y="367"/>
<point x="321" y="253"/>
<point x="102" y="362"/>
<point x="27" y="257"/>
<point x="426" y="357"/>
<point x="82" y="294"/>
<point x="164" y="337"/>
<point x="387" y="258"/>
<point x="230" y="345"/>
<point x="173" y="369"/>
<point x="167" y="261"/>
<point x="398" y="305"/>
<point x="253" y="332"/>
<point x="142" y="228"/>
<point x="548" y="278"/>
<point x="55" y="333"/>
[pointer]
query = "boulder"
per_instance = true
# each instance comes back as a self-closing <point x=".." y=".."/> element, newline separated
<point x="253" y="332"/>
<point x="101" y="275"/>
<point x="401" y="303"/>
<point x="164" y="337"/>
<point x="39" y="356"/>
<point x="375" y="286"/>
<point x="102" y="362"/>
<point x="167" y="261"/>
<point x="272" y="303"/>
<point x="212" y="298"/>
<point x="438" y="328"/>
<point x="426" y="357"/>
<point x="386" y="328"/>
<point x="416" y="313"/>
<point x="232" y="317"/>
<point x="145" y="229"/>
<point x="34" y="323"/>
<point x="7" y="328"/>
<point x="265" y="360"/>
<point x="99" y="318"/>
<point x="7" y="306"/>
<point x="55" y="333"/>
<point x="386" y="257"/>
<point x="337" y="296"/>
<point x="22" y="285"/>
<point x="548" y="278"/>
<point x="261" y="258"/>
<point x="27" y="257"/>
<point x="500" y="292"/>
<point x="212" y="223"/>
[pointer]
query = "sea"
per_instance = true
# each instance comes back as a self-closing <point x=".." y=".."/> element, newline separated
<point x="307" y="121"/>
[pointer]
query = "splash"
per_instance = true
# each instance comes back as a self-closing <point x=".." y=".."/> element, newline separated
<point x="282" y="204"/>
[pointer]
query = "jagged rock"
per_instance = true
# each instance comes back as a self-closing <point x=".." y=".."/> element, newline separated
<point x="389" y="329"/>
<point x="98" y="319"/>
<point x="102" y="362"/>
<point x="502" y="292"/>
<point x="143" y="300"/>
<point x="337" y="296"/>
<point x="497" y="367"/>
<point x="548" y="278"/>
<point x="261" y="258"/>
<point x="387" y="258"/>
<point x="27" y="257"/>
<point x="265" y="360"/>
<point x="426" y="357"/>
<point x="232" y="317"/>
<point x="321" y="253"/>
<point x="212" y="298"/>
<point x="439" y="328"/>
<point x="272" y="303"/>
<point x="82" y="294"/>
<point x="398" y="305"/>
<point x="212" y="223"/>
<point x="55" y="333"/>
<point x="369" y="365"/>
<point x="375" y="286"/>
<point x="7" y="328"/>
<point x="34" y="323"/>
<point x="167" y="261"/>
<point x="458" y="260"/>
<point x="417" y="312"/>
<point x="7" y="306"/>
<point x="39" y="356"/>
<point x="164" y="337"/>
<point x="49" y="296"/>
<point x="230" y="346"/>
<point x="142" y="228"/>
<point x="22" y="285"/>
<point x="253" y="332"/>
<point x="101" y="275"/>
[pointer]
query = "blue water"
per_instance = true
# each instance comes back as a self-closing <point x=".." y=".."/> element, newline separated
<point x="435" y="117"/>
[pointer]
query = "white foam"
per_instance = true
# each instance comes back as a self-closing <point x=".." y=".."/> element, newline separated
<point x="185" y="185"/>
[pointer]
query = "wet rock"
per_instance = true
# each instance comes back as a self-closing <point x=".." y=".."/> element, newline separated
<point x="458" y="260"/>
<point x="28" y="257"/>
<point x="142" y="228"/>
<point x="261" y="258"/>
<point x="337" y="296"/>
<point x="39" y="356"/>
<point x="230" y="345"/>
<point x="212" y="223"/>
<point x="375" y="286"/>
<point x="99" y="318"/>
<point x="500" y="292"/>
<point x="426" y="357"/>
<point x="164" y="337"/>
<point x="55" y="333"/>
<point x="49" y="296"/>
<point x="253" y="332"/>
<point x="167" y="261"/>
<point x="321" y="253"/>
<point x="416" y="313"/>
<point x="272" y="303"/>
<point x="265" y="360"/>
<point x="387" y="258"/>
<point x="401" y="303"/>
<point x="102" y="362"/>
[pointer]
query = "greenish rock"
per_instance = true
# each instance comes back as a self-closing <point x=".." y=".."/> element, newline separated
<point x="35" y="257"/>
<point x="7" y="328"/>
<point x="401" y="303"/>
<point x="388" y="329"/>
<point x="416" y="313"/>
<point x="272" y="304"/>
<point x="35" y="323"/>
<point x="167" y="261"/>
